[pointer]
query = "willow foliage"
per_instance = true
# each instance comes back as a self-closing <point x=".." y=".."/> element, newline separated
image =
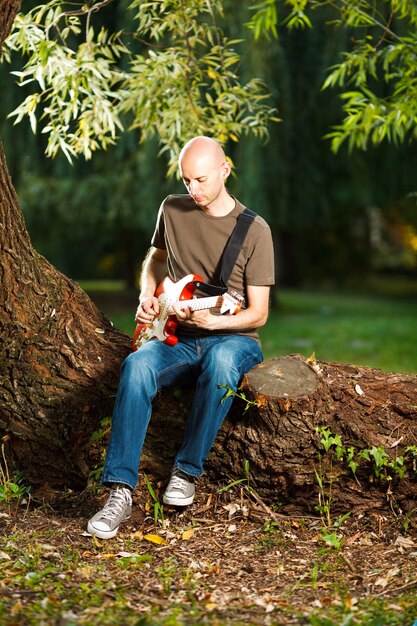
<point x="377" y="75"/>
<point x="176" y="76"/>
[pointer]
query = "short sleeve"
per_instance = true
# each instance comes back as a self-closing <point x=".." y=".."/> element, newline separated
<point x="260" y="266"/>
<point x="158" y="237"/>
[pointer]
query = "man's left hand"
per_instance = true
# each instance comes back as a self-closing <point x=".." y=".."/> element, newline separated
<point x="199" y="319"/>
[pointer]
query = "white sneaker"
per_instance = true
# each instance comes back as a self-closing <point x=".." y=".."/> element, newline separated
<point x="117" y="509"/>
<point x="180" y="490"/>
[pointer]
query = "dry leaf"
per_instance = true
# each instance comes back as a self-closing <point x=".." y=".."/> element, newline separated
<point x="232" y="508"/>
<point x="384" y="580"/>
<point x="187" y="534"/>
<point x="107" y="555"/>
<point x="404" y="542"/>
<point x="137" y="535"/>
<point x="155" y="539"/>
<point x="359" y="390"/>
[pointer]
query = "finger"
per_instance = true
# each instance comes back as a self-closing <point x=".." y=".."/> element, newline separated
<point x="153" y="305"/>
<point x="143" y="316"/>
<point x="180" y="313"/>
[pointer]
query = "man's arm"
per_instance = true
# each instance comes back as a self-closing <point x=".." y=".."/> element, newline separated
<point x="254" y="316"/>
<point x="154" y="269"/>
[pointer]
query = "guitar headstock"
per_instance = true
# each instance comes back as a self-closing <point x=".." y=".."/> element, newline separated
<point x="232" y="303"/>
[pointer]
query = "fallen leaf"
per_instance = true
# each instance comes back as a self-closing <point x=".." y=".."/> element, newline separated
<point x="384" y="580"/>
<point x="187" y="534"/>
<point x="106" y="555"/>
<point x="359" y="390"/>
<point x="16" y="608"/>
<point x="4" y="557"/>
<point x="155" y="539"/>
<point x="137" y="535"/>
<point x="232" y="508"/>
<point x="404" y="542"/>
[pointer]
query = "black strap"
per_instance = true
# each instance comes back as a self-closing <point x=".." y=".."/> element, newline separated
<point x="230" y="253"/>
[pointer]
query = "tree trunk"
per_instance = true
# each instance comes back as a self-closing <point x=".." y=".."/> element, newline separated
<point x="287" y="462"/>
<point x="8" y="11"/>
<point x="59" y="360"/>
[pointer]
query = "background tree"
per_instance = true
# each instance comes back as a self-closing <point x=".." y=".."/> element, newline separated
<point x="331" y="208"/>
<point x="377" y="72"/>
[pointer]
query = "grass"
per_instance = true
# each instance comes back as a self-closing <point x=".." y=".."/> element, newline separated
<point x="377" y="330"/>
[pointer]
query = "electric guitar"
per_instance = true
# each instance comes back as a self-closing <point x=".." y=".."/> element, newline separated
<point x="179" y="294"/>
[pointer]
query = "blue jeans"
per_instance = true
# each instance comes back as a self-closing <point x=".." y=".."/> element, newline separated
<point x="207" y="361"/>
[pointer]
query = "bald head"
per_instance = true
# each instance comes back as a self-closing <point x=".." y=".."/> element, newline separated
<point x="204" y="169"/>
<point x="202" y="146"/>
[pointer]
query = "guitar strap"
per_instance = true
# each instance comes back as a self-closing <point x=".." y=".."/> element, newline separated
<point x="230" y="253"/>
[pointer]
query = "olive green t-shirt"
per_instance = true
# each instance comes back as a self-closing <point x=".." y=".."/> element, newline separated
<point x="195" y="241"/>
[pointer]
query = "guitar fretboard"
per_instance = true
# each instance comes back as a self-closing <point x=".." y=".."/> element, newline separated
<point x="196" y="304"/>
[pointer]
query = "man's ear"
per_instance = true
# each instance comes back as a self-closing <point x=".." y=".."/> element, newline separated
<point x="226" y="168"/>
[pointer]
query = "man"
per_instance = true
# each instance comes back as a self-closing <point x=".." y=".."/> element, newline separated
<point x="191" y="233"/>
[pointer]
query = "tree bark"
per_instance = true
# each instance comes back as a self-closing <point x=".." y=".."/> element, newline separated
<point x="8" y="11"/>
<point x="279" y="437"/>
<point x="59" y="359"/>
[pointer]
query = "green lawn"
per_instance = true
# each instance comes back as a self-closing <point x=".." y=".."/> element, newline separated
<point x="374" y="330"/>
<point x="378" y="331"/>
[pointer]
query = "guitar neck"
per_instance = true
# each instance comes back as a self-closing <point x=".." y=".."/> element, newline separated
<point x="197" y="304"/>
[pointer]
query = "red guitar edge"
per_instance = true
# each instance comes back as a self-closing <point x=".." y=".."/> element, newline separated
<point x="172" y="322"/>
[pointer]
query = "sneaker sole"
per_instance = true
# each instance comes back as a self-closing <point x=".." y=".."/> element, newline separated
<point x="103" y="534"/>
<point x="177" y="501"/>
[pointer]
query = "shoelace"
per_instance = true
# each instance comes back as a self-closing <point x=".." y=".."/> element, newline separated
<point x="179" y="484"/>
<point x="115" y="505"/>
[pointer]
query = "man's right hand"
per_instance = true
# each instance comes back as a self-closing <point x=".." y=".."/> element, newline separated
<point x="147" y="310"/>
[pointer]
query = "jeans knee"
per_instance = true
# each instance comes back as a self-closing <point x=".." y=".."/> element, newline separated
<point x="136" y="370"/>
<point x="230" y="359"/>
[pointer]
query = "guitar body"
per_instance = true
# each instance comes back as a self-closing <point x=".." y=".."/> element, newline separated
<point x="165" y="325"/>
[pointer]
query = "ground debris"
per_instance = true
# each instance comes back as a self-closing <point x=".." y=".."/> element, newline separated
<point x="224" y="560"/>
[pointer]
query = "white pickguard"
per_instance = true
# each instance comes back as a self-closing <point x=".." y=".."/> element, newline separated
<point x="156" y="328"/>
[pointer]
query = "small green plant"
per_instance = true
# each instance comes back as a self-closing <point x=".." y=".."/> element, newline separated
<point x="329" y="441"/>
<point x="231" y="393"/>
<point x="383" y="466"/>
<point x="134" y="561"/>
<point x="239" y="481"/>
<point x="325" y="499"/>
<point x="158" y="509"/>
<point x="271" y="534"/>
<point x="333" y="539"/>
<point x="12" y="489"/>
<point x="166" y="573"/>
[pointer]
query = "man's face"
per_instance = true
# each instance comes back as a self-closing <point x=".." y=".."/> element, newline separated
<point x="204" y="178"/>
